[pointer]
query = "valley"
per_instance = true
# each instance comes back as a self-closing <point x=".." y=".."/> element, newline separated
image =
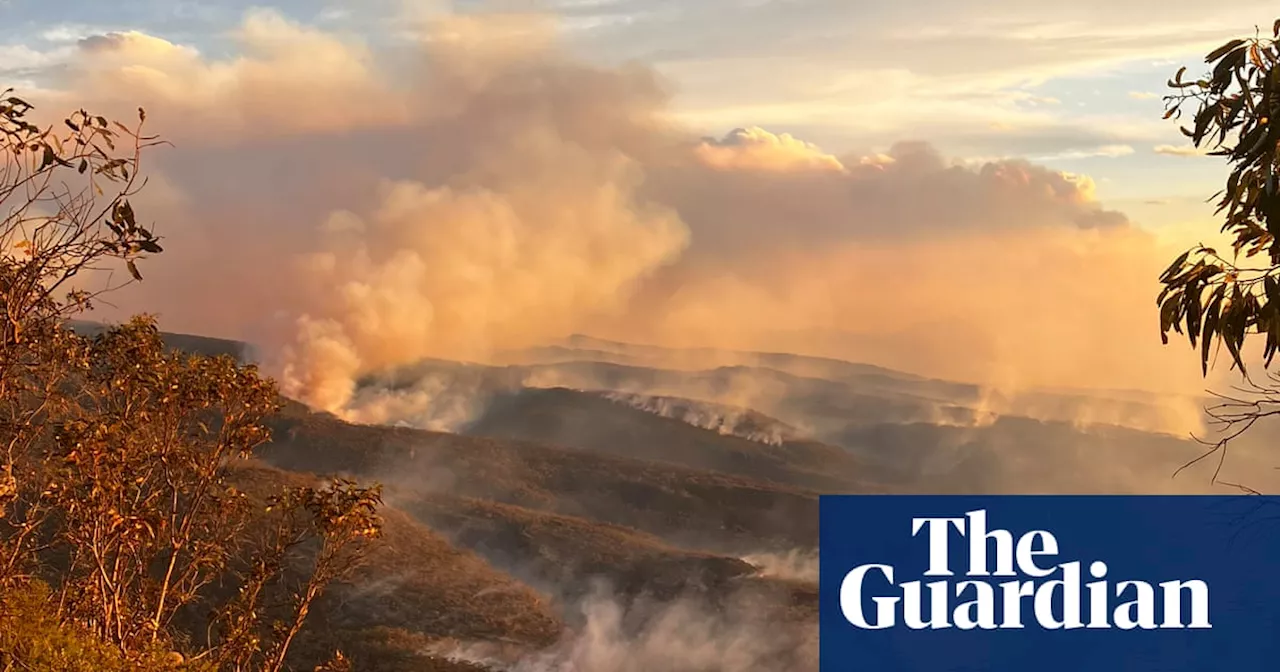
<point x="591" y="509"/>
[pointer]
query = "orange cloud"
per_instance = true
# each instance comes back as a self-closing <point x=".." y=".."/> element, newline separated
<point x="288" y="79"/>
<point x="757" y="149"/>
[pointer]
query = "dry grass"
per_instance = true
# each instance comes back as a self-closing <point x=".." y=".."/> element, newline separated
<point x="589" y="421"/>
<point x="712" y="510"/>
<point x="415" y="588"/>
<point x="492" y="540"/>
<point x="573" y="553"/>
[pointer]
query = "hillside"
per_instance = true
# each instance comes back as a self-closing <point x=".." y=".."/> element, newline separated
<point x="204" y="345"/>
<point x="581" y="528"/>
<point x="832" y="393"/>
<point x="900" y="439"/>
<point x="667" y="500"/>
<point x="597" y="506"/>
<point x="414" y="589"/>
<point x="564" y="554"/>
<point x="594" y="422"/>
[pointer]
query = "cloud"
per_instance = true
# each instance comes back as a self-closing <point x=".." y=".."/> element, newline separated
<point x="895" y="70"/>
<point x="906" y="68"/>
<point x="352" y="209"/>
<point x="1143" y="95"/>
<point x="20" y="57"/>
<point x="1053" y="138"/>
<point x="1012" y="40"/>
<point x="69" y="32"/>
<point x="1105" y="151"/>
<point x="1178" y="150"/>
<point x="757" y="149"/>
<point x="289" y="79"/>
<point x="21" y="64"/>
<point x="1043" y="100"/>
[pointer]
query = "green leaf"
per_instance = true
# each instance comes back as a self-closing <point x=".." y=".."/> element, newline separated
<point x="1203" y="119"/>
<point x="1234" y="325"/>
<point x="1233" y="112"/>
<point x="1168" y="313"/>
<point x="1221" y="77"/>
<point x="1210" y="328"/>
<point x="1223" y="50"/>
<point x="1177" y="264"/>
<point x="1234" y="350"/>
<point x="133" y="270"/>
<point x="124" y="216"/>
<point x="1192" y="309"/>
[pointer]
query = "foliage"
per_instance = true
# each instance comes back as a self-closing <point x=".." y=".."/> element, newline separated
<point x="64" y="203"/>
<point x="117" y="487"/>
<point x="1213" y="298"/>
<point x="337" y="519"/>
<point x="34" y="640"/>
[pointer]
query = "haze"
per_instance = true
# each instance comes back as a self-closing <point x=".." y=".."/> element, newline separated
<point x="354" y="197"/>
<point x="606" y="292"/>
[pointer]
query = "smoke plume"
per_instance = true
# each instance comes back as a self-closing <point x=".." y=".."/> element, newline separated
<point x="682" y="636"/>
<point x="474" y="188"/>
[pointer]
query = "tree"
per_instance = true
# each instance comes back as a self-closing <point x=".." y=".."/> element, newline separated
<point x="120" y="505"/>
<point x="33" y="640"/>
<point x="57" y="221"/>
<point x="1217" y="300"/>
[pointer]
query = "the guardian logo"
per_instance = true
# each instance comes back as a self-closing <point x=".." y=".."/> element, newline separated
<point x="1012" y="583"/>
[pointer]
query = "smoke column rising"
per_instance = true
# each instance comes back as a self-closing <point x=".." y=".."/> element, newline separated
<point x="474" y="188"/>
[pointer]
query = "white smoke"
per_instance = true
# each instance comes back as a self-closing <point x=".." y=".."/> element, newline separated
<point x="722" y="419"/>
<point x="794" y="565"/>
<point x="681" y="637"/>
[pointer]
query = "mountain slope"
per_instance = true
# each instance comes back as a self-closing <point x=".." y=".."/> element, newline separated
<point x="676" y="503"/>
<point x="593" y="422"/>
<point x="565" y="554"/>
<point x="414" y="588"/>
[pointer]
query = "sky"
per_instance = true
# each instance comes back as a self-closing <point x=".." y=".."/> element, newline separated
<point x="914" y="184"/>
<point x="1075" y="87"/>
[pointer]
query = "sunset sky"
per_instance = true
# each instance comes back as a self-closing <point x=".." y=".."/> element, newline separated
<point x="1072" y="86"/>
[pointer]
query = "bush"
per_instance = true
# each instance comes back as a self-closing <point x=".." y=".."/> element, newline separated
<point x="116" y="453"/>
<point x="34" y="639"/>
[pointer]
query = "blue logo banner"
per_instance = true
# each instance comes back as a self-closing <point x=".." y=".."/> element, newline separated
<point x="1049" y="583"/>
